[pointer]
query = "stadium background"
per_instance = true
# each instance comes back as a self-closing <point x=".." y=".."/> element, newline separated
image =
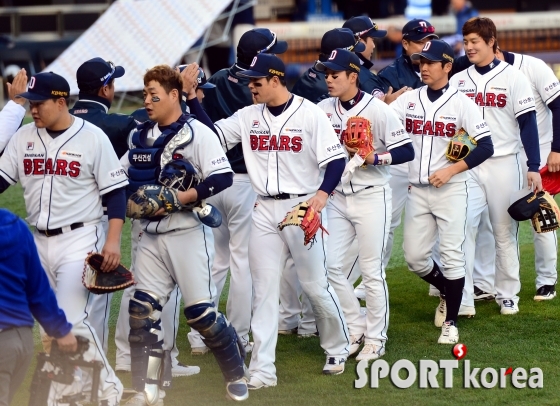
<point x="35" y="33"/>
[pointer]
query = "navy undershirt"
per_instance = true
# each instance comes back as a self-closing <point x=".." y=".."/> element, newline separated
<point x="277" y="110"/>
<point x="433" y="95"/>
<point x="348" y="104"/>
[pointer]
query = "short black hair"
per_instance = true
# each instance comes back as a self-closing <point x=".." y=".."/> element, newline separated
<point x="95" y="91"/>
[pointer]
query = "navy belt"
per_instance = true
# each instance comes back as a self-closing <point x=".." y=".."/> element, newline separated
<point x="285" y="196"/>
<point x="58" y="231"/>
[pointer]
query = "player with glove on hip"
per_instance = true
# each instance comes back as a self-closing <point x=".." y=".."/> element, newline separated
<point x="361" y="205"/>
<point x="437" y="195"/>
<point x="287" y="141"/>
<point x="176" y="245"/>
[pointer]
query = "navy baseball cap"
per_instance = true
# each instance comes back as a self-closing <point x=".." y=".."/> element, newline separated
<point x="96" y="73"/>
<point x="45" y="86"/>
<point x="438" y="50"/>
<point x="342" y="38"/>
<point x="260" y="40"/>
<point x="363" y="27"/>
<point x="265" y="65"/>
<point x="526" y="207"/>
<point x="340" y="60"/>
<point x="201" y="78"/>
<point x="418" y="29"/>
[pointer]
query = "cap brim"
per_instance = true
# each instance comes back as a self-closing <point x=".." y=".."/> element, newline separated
<point x="207" y="86"/>
<point x="417" y="56"/>
<point x="420" y="37"/>
<point x="33" y="96"/>
<point x="376" y="33"/>
<point x="279" y="48"/>
<point x="119" y="72"/>
<point x="252" y="74"/>
<point x="323" y="66"/>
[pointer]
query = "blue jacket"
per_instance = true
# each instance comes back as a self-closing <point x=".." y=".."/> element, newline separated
<point x="230" y="95"/>
<point x="116" y="126"/>
<point x="312" y="86"/>
<point x="400" y="73"/>
<point x="24" y="288"/>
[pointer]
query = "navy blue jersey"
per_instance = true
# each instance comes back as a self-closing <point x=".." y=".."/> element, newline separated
<point x="312" y="86"/>
<point x="116" y="126"/>
<point x="230" y="95"/>
<point x="400" y="73"/>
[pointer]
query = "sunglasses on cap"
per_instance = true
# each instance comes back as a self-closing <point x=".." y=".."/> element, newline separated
<point x="351" y="47"/>
<point x="274" y="41"/>
<point x="113" y="68"/>
<point x="374" y="27"/>
<point x="422" y="30"/>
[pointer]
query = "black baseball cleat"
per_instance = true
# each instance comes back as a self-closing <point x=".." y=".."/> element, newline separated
<point x="479" y="294"/>
<point x="545" y="292"/>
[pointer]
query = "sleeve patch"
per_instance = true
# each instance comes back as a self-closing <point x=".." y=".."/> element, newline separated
<point x="334" y="148"/>
<point x="219" y="161"/>
<point x="117" y="173"/>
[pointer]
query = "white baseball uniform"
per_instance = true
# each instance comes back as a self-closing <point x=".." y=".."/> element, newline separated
<point x="361" y="208"/>
<point x="285" y="154"/>
<point x="431" y="211"/>
<point x="502" y="94"/>
<point x="546" y="88"/>
<point x="10" y="119"/>
<point x="63" y="179"/>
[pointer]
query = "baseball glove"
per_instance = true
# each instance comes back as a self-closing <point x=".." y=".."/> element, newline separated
<point x="99" y="282"/>
<point x="546" y="219"/>
<point x="148" y="199"/>
<point x="358" y="135"/>
<point x="550" y="181"/>
<point x="460" y="146"/>
<point x="306" y="218"/>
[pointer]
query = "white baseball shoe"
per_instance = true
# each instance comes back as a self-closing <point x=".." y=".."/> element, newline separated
<point x="370" y="352"/>
<point x="256" y="383"/>
<point x="288" y="332"/>
<point x="200" y="350"/>
<point x="184" y="370"/>
<point x="479" y="294"/>
<point x="449" y="334"/>
<point x="441" y="312"/>
<point x="355" y="342"/>
<point x="360" y="291"/>
<point x="237" y="390"/>
<point x="140" y="400"/>
<point x="334" y="365"/>
<point x="467" y="311"/>
<point x="249" y="346"/>
<point x="545" y="292"/>
<point x="508" y="307"/>
<point x="308" y="335"/>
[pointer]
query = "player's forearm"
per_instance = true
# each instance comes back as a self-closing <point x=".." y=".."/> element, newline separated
<point x="395" y="156"/>
<point x="196" y="109"/>
<point x="116" y="204"/>
<point x="114" y="232"/>
<point x="484" y="150"/>
<point x="333" y="173"/>
<point x="213" y="184"/>
<point x="530" y="139"/>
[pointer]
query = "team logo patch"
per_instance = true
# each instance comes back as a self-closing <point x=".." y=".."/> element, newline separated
<point x="232" y="79"/>
<point x="329" y="115"/>
<point x="30" y="146"/>
<point x="461" y="83"/>
<point x="378" y="94"/>
<point x="256" y="124"/>
<point x="411" y="106"/>
<point x="219" y="161"/>
<point x="313" y="75"/>
<point x="71" y="154"/>
<point x="116" y="173"/>
<point x="82" y="111"/>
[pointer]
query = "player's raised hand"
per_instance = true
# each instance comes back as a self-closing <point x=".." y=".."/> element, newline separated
<point x="190" y="79"/>
<point x="390" y="97"/>
<point x="553" y="161"/>
<point x="534" y="181"/>
<point x="18" y="86"/>
<point x="319" y="201"/>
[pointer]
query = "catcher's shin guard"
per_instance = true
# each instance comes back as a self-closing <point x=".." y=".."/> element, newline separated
<point x="220" y="336"/>
<point x="146" y="342"/>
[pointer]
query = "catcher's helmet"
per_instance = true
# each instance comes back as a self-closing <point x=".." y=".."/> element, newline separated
<point x="180" y="175"/>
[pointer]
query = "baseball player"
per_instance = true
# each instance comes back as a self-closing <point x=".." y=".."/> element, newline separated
<point x="286" y="141"/>
<point x="13" y="112"/>
<point x="366" y="30"/>
<point x="362" y="201"/>
<point x="437" y="195"/>
<point x="504" y="96"/>
<point x="177" y="248"/>
<point x="65" y="165"/>
<point x="235" y="203"/>
<point x="546" y="89"/>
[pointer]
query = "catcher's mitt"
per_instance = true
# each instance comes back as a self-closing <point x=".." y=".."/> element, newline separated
<point x="460" y="146"/>
<point x="306" y="218"/>
<point x="550" y="180"/>
<point x="546" y="219"/>
<point x="99" y="282"/>
<point x="358" y="135"/>
<point x="148" y="199"/>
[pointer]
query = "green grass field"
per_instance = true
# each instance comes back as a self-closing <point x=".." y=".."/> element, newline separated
<point x="529" y="339"/>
